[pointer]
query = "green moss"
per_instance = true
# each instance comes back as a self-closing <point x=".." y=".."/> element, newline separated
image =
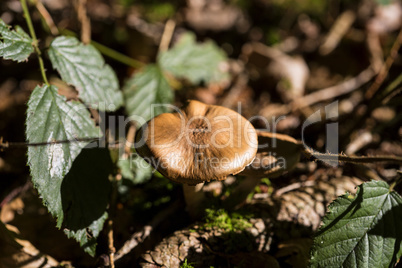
<point x="223" y="220"/>
<point x="186" y="265"/>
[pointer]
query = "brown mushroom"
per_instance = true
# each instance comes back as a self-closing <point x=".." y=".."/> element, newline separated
<point x="198" y="143"/>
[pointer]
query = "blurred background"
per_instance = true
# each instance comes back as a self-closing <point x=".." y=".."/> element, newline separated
<point x="285" y="57"/>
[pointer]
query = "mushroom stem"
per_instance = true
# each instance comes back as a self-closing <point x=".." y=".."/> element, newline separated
<point x="194" y="197"/>
<point x="240" y="193"/>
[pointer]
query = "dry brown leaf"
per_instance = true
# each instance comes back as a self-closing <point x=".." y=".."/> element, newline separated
<point x="277" y="154"/>
<point x="17" y="252"/>
<point x="8" y="211"/>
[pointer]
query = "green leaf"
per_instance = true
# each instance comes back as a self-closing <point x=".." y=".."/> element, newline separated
<point x="14" y="45"/>
<point x="88" y="240"/>
<point x="195" y="62"/>
<point x="135" y="168"/>
<point x="83" y="67"/>
<point x="364" y="231"/>
<point x="146" y="93"/>
<point x="51" y="118"/>
<point x="85" y="195"/>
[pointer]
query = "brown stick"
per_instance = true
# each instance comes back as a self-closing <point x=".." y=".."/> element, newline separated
<point x="85" y="21"/>
<point x="112" y="249"/>
<point x="335" y="91"/>
<point x="46" y="16"/>
<point x="167" y="35"/>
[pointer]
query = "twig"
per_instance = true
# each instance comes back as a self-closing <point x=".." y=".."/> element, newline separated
<point x="375" y="49"/>
<point x="167" y="35"/>
<point x="85" y="22"/>
<point x="112" y="249"/>
<point x="385" y="67"/>
<point x="15" y="192"/>
<point x="352" y="159"/>
<point x="292" y="187"/>
<point x="337" y="32"/>
<point x="335" y="91"/>
<point x="46" y="16"/>
<point x="35" y="40"/>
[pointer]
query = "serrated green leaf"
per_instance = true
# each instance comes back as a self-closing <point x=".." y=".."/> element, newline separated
<point x="146" y="92"/>
<point x="361" y="232"/>
<point x="195" y="62"/>
<point x="14" y="45"/>
<point x="135" y="168"/>
<point x="51" y="118"/>
<point x="85" y="195"/>
<point x="88" y="240"/>
<point x="83" y="67"/>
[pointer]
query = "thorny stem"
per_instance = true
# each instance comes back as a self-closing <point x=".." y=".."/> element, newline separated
<point x="5" y="145"/>
<point x="35" y="40"/>
<point x="352" y="159"/>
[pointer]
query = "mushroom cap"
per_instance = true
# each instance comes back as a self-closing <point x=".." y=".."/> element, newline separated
<point x="198" y="143"/>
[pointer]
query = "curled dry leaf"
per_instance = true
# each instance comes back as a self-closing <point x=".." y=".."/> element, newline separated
<point x="198" y="143"/>
<point x="277" y="153"/>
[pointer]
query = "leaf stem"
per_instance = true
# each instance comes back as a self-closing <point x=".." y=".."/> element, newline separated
<point x="35" y="40"/>
<point x="111" y="53"/>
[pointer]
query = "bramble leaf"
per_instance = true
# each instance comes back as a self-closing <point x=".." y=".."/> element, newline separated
<point x="146" y="94"/>
<point x="83" y="67"/>
<point x="85" y="195"/>
<point x="195" y="62"/>
<point x="364" y="231"/>
<point x="14" y="45"/>
<point x="51" y="118"/>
